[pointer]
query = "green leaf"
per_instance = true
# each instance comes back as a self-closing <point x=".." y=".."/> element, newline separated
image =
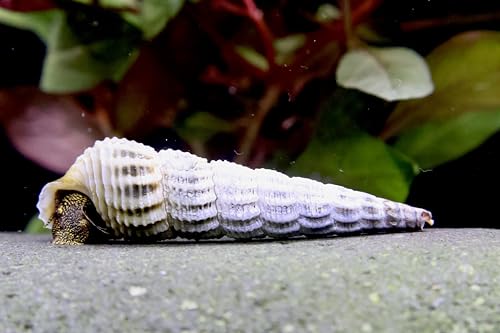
<point x="152" y="16"/>
<point x="327" y="12"/>
<point x="440" y="141"/>
<point x="35" y="226"/>
<point x="40" y="22"/>
<point x="465" y="108"/>
<point x="253" y="57"/>
<point x="466" y="72"/>
<point x="343" y="153"/>
<point x="389" y="73"/>
<point x="286" y="46"/>
<point x="74" y="69"/>
<point x="359" y="162"/>
<point x="202" y="126"/>
<point x="70" y="66"/>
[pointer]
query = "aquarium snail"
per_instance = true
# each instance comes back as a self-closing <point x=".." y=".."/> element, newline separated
<point x="123" y="189"/>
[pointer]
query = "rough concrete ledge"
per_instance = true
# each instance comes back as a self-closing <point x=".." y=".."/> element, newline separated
<point x="439" y="280"/>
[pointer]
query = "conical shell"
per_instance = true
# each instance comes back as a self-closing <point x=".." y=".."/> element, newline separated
<point x="140" y="192"/>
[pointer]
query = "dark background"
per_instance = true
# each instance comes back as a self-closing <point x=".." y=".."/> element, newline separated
<point x="461" y="193"/>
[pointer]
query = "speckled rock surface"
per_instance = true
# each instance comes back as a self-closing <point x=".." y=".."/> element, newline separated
<point x="439" y="280"/>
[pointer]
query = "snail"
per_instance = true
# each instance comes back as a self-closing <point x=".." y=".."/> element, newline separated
<point x="122" y="189"/>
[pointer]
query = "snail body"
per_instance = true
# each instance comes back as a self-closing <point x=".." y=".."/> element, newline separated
<point x="125" y="189"/>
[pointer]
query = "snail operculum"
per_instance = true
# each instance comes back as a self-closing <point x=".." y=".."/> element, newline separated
<point x="75" y="220"/>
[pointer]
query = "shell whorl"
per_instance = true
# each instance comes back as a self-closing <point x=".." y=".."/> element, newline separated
<point x="139" y="192"/>
<point x="124" y="181"/>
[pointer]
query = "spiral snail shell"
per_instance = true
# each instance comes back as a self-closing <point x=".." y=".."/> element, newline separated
<point x="123" y="189"/>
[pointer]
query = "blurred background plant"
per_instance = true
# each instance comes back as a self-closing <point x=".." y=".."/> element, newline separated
<point x="397" y="98"/>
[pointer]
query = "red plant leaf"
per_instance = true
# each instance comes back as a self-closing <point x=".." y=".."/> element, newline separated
<point x="27" y="5"/>
<point x="50" y="130"/>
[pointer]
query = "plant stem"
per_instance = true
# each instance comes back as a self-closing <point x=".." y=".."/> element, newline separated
<point x="257" y="17"/>
<point x="252" y="12"/>
<point x="447" y="21"/>
<point x="346" y="14"/>
<point x="264" y="105"/>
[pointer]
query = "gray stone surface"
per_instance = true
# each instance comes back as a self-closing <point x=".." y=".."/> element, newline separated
<point x="433" y="281"/>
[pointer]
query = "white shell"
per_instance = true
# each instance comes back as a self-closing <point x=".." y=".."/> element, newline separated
<point x="140" y="192"/>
